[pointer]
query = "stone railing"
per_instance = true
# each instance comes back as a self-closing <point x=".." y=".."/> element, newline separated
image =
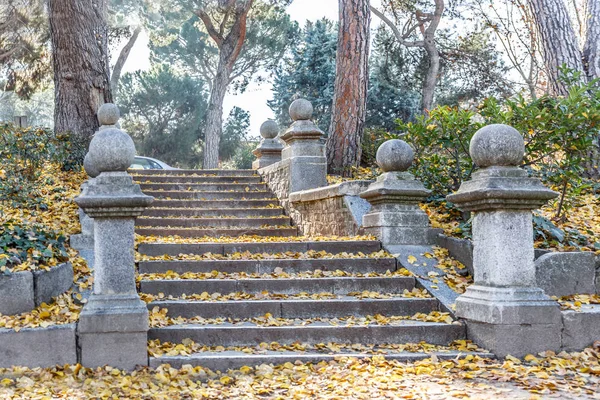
<point x="330" y="210"/>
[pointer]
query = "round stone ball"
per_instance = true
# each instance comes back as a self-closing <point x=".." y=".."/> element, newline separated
<point x="108" y="114"/>
<point x="301" y="109"/>
<point x="395" y="156"/>
<point x="497" y="145"/>
<point x="89" y="167"/>
<point x="269" y="129"/>
<point x="111" y="150"/>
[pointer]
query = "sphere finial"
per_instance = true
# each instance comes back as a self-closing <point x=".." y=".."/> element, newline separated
<point x="111" y="149"/>
<point x="497" y="145"/>
<point x="395" y="156"/>
<point x="269" y="129"/>
<point x="89" y="167"/>
<point x="108" y="114"/>
<point x="301" y="110"/>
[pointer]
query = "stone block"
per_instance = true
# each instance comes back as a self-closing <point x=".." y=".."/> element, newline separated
<point x="39" y="347"/>
<point x="580" y="328"/>
<point x="16" y="293"/>
<point x="515" y="340"/>
<point x="52" y="283"/>
<point x="564" y="274"/>
<point x="117" y="349"/>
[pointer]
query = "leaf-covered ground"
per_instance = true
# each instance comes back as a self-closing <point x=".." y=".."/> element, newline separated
<point x="581" y="220"/>
<point x="563" y="376"/>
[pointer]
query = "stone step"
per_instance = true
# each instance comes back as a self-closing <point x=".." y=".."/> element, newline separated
<point x="213" y="204"/>
<point x="249" y="334"/>
<point x="197" y="179"/>
<point x="198" y="172"/>
<point x="209" y="195"/>
<point x="203" y="223"/>
<point x="338" y="285"/>
<point x="213" y="212"/>
<point x="227" y="360"/>
<point x="200" y="233"/>
<point x="205" y="187"/>
<point x="333" y="247"/>
<point x="343" y="306"/>
<point x="362" y="265"/>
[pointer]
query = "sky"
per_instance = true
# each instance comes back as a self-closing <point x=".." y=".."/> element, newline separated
<point x="254" y="99"/>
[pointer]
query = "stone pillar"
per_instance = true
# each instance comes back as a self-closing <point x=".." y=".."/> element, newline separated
<point x="113" y="325"/>
<point x="304" y="149"/>
<point x="84" y="242"/>
<point x="269" y="150"/>
<point x="504" y="310"/>
<point x="395" y="217"/>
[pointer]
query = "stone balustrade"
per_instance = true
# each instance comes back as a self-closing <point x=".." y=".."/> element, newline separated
<point x="505" y="310"/>
<point x="269" y="150"/>
<point x="113" y="324"/>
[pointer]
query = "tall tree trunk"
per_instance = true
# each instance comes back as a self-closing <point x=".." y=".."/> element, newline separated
<point x="431" y="78"/>
<point x="591" y="48"/>
<point x="214" y="117"/>
<point x="558" y="39"/>
<point x="591" y="64"/>
<point x="351" y="85"/>
<point x="123" y="56"/>
<point x="79" y="35"/>
<point x="229" y="46"/>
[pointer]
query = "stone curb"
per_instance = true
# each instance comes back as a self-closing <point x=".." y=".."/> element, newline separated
<point x="38" y="347"/>
<point x="23" y="291"/>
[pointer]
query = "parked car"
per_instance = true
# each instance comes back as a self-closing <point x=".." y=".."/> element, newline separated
<point x="149" y="163"/>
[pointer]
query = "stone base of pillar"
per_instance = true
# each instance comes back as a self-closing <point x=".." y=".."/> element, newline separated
<point x="307" y="173"/>
<point x="390" y="235"/>
<point x="266" y="160"/>
<point x="113" y="330"/>
<point x="516" y="320"/>
<point x="515" y="340"/>
<point x="82" y="242"/>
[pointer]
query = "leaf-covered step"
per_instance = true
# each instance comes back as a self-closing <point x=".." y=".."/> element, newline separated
<point x="216" y="232"/>
<point x="212" y="204"/>
<point x="250" y="334"/>
<point x="341" y="306"/>
<point x="213" y="212"/>
<point x="205" y="187"/>
<point x="196" y="179"/>
<point x="337" y="285"/>
<point x="188" y="222"/>
<point x="380" y="265"/>
<point x="209" y="195"/>
<point x="193" y="172"/>
<point x="174" y="249"/>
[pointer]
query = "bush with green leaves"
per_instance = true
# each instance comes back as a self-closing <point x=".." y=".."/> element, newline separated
<point x="559" y="135"/>
<point x="32" y="244"/>
<point x="24" y="153"/>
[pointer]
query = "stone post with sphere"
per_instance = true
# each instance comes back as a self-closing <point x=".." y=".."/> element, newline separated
<point x="269" y="150"/>
<point x="304" y="149"/>
<point x="113" y="325"/>
<point x="84" y="242"/>
<point x="395" y="217"/>
<point x="505" y="311"/>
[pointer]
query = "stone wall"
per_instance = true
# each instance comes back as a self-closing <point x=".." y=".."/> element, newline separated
<point x="330" y="210"/>
<point x="277" y="178"/>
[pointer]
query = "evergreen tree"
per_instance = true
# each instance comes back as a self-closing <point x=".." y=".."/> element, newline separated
<point x="235" y="133"/>
<point x="307" y="71"/>
<point x="163" y="112"/>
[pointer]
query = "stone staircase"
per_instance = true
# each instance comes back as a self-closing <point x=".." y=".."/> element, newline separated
<point x="277" y="298"/>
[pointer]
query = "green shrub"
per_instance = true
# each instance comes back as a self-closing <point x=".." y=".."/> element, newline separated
<point x="559" y="135"/>
<point x="24" y="153"/>
<point x="32" y="244"/>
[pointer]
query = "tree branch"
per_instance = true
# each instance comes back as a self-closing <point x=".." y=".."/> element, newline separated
<point x="397" y="33"/>
<point x="116" y="74"/>
<point x="210" y="28"/>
